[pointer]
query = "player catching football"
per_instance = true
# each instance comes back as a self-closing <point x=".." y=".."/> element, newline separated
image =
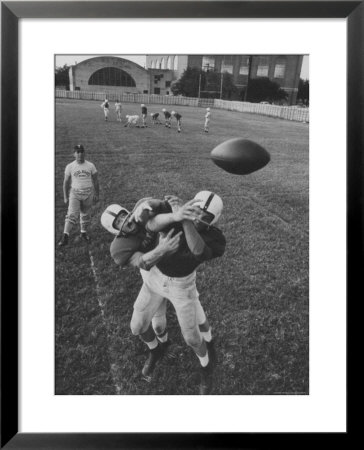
<point x="80" y="190"/>
<point x="132" y="234"/>
<point x="169" y="271"/>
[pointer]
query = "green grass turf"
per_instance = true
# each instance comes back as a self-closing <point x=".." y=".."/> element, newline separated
<point x="255" y="296"/>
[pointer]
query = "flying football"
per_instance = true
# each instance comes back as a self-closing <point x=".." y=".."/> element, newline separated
<point x="240" y="156"/>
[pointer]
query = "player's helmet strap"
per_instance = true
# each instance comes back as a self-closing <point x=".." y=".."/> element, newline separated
<point x="208" y="201"/>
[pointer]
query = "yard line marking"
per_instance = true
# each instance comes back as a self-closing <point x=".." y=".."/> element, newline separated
<point x="101" y="299"/>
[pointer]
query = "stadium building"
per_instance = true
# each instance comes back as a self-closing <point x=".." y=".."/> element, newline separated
<point x="282" y="69"/>
<point x="114" y="74"/>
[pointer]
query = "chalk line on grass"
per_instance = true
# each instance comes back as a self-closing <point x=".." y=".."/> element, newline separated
<point x="101" y="299"/>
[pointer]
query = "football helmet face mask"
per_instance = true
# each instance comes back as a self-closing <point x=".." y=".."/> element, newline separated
<point x="113" y="218"/>
<point x="119" y="221"/>
<point x="211" y="206"/>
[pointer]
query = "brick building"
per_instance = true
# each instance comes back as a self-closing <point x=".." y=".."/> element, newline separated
<point x="282" y="69"/>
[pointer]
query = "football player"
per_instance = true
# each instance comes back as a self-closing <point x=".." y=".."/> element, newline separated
<point x="144" y="114"/>
<point x="80" y="191"/>
<point x="167" y="117"/>
<point x="118" y="110"/>
<point x="105" y="106"/>
<point x="207" y="120"/>
<point x="179" y="120"/>
<point x="155" y="118"/>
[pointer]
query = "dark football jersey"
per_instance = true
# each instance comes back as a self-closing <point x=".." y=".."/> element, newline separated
<point x="184" y="262"/>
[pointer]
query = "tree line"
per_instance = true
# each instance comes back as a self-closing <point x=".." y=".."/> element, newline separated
<point x="195" y="82"/>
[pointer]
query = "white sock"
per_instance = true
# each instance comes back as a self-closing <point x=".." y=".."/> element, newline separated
<point x="204" y="360"/>
<point x="153" y="344"/>
<point x="206" y="335"/>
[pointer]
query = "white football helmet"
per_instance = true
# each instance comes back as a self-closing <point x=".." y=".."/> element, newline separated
<point x="211" y="204"/>
<point x="173" y="113"/>
<point x="142" y="105"/>
<point x="109" y="216"/>
<point x="207" y="109"/>
<point x="164" y="110"/>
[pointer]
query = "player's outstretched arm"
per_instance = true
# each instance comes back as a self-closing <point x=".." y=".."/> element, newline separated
<point x="179" y="213"/>
<point x="148" y="209"/>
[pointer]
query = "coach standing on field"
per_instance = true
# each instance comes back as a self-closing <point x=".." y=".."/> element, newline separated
<point x="80" y="190"/>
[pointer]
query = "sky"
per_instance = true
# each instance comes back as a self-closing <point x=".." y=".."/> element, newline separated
<point x="61" y="60"/>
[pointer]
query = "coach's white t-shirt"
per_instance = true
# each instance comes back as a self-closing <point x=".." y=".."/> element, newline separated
<point x="81" y="175"/>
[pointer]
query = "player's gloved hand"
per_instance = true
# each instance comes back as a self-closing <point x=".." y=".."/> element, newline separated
<point x="141" y="213"/>
<point x="168" y="244"/>
<point x="65" y="199"/>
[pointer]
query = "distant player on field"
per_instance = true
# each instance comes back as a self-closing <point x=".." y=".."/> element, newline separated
<point x="105" y="106"/>
<point x="155" y="118"/>
<point x="167" y="117"/>
<point x="144" y="114"/>
<point x="179" y="120"/>
<point x="132" y="120"/>
<point x="207" y="120"/>
<point x="118" y="110"/>
<point x="80" y="190"/>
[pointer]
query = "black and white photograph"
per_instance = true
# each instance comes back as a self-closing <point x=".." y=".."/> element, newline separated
<point x="181" y="224"/>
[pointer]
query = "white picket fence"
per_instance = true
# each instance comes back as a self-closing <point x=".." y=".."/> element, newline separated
<point x="294" y="113"/>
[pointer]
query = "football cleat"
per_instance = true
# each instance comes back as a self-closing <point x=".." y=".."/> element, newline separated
<point x="169" y="351"/>
<point x="154" y="356"/>
<point x="206" y="379"/>
<point x="63" y="241"/>
<point x="211" y="351"/>
<point x="85" y="236"/>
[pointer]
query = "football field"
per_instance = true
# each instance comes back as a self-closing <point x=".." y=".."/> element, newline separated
<point x="255" y="296"/>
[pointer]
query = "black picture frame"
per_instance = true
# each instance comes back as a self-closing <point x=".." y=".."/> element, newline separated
<point x="11" y="12"/>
